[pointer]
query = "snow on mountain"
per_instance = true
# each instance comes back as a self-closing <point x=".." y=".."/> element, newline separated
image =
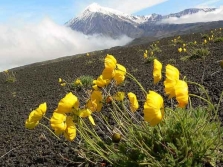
<point x="96" y="19"/>
<point x="189" y="12"/>
<point x="95" y="8"/>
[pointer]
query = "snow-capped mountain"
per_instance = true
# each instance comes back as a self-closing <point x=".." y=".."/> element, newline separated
<point x="189" y="12"/>
<point x="96" y="19"/>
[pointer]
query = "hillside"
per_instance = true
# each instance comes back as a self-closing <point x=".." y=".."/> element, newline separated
<point x="38" y="83"/>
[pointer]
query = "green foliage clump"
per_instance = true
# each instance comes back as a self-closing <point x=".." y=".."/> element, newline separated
<point x="199" y="53"/>
<point x="150" y="59"/>
<point x="204" y="36"/>
<point x="172" y="61"/>
<point x="186" y="137"/>
<point x="85" y="81"/>
<point x="196" y="53"/>
<point x="219" y="39"/>
<point x="9" y="76"/>
<point x="179" y="42"/>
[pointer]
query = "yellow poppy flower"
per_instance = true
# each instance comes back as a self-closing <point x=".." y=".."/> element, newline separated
<point x="60" y="80"/>
<point x="172" y="76"/>
<point x="145" y="55"/>
<point x="95" y="101"/>
<point x="63" y="84"/>
<point x="86" y="113"/>
<point x="110" y="62"/>
<point x="181" y="91"/>
<point x="134" y="105"/>
<point x="180" y="50"/>
<point x="31" y="125"/>
<point x="108" y="73"/>
<point x="35" y="116"/>
<point x="184" y="49"/>
<point x="95" y="87"/>
<point x="58" y="122"/>
<point x="153" y="108"/>
<point x="68" y="103"/>
<point x="120" y="72"/>
<point x="78" y="82"/>
<point x="157" y="67"/>
<point x="119" y="96"/>
<point x="100" y="82"/>
<point x="70" y="132"/>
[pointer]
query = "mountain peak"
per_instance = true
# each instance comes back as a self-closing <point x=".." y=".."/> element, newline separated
<point x="96" y="8"/>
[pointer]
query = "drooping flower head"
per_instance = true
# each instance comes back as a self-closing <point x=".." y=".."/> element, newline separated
<point x="120" y="73"/>
<point x="110" y="62"/>
<point x="180" y="50"/>
<point x="78" y="82"/>
<point x="153" y="108"/>
<point x="119" y="96"/>
<point x="60" y="80"/>
<point x="86" y="113"/>
<point x="68" y="103"/>
<point x="95" y="101"/>
<point x="70" y="131"/>
<point x="172" y="76"/>
<point x="35" y="116"/>
<point x="145" y="55"/>
<point x="181" y="91"/>
<point x="58" y="122"/>
<point x="101" y="82"/>
<point x="157" y="68"/>
<point x="134" y="105"/>
<point x="108" y="73"/>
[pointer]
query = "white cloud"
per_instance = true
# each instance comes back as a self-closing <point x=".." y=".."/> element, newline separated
<point x="28" y="43"/>
<point x="197" y="17"/>
<point x="126" y="6"/>
<point x="208" y="4"/>
<point x="132" y="6"/>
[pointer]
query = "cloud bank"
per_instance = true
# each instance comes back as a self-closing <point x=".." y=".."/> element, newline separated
<point x="29" y="43"/>
<point x="197" y="17"/>
<point x="132" y="6"/>
<point x="125" y="6"/>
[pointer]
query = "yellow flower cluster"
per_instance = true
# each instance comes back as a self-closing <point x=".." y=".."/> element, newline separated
<point x="112" y="70"/>
<point x="62" y="120"/>
<point x="62" y="82"/>
<point x="62" y="123"/>
<point x="65" y="116"/>
<point x="174" y="87"/>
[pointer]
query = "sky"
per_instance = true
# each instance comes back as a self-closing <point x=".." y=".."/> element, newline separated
<point x="33" y="30"/>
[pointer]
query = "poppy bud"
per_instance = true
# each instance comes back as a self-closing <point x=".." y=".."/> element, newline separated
<point x="108" y="99"/>
<point x="116" y="137"/>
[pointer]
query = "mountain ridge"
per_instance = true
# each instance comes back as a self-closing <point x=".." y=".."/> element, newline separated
<point x="96" y="19"/>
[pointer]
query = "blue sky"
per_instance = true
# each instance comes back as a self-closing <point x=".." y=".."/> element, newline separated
<point x="61" y="11"/>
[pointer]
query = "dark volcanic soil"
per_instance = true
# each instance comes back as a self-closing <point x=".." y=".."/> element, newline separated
<point x="39" y="83"/>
